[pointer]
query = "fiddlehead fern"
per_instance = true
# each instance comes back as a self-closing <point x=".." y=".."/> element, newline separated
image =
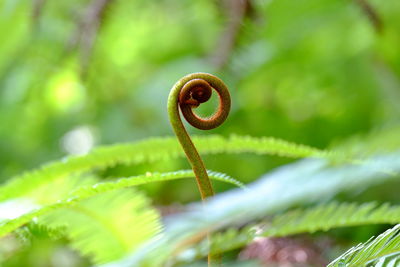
<point x="188" y="93"/>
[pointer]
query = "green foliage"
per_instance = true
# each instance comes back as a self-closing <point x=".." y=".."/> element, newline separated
<point x="383" y="250"/>
<point x="108" y="226"/>
<point x="92" y="227"/>
<point x="320" y="218"/>
<point x="317" y="178"/>
<point x="300" y="183"/>
<point x="86" y="192"/>
<point x="328" y="216"/>
<point x="149" y="151"/>
<point x="36" y="230"/>
<point x="79" y="76"/>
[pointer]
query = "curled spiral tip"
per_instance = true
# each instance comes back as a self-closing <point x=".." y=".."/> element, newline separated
<point x="188" y="93"/>
<point x="198" y="90"/>
<point x="195" y="92"/>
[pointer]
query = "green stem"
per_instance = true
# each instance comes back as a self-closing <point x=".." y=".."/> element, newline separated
<point x="188" y="93"/>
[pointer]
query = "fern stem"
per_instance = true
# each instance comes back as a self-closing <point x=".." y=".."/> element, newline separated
<point x="188" y="93"/>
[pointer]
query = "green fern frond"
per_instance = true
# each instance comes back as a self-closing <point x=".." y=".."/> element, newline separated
<point x="150" y="150"/>
<point x="303" y="182"/>
<point x="108" y="226"/>
<point x="333" y="215"/>
<point x="379" y="251"/>
<point x="38" y="230"/>
<point x="387" y="261"/>
<point x="86" y="192"/>
<point x="149" y="177"/>
<point x="232" y="238"/>
<point x="319" y="218"/>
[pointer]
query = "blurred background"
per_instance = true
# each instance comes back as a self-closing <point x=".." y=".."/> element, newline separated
<point x="77" y="74"/>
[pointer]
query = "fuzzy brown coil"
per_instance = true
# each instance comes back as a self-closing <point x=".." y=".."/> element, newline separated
<point x="199" y="90"/>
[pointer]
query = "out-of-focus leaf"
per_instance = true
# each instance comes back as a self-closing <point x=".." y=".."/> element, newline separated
<point x="306" y="181"/>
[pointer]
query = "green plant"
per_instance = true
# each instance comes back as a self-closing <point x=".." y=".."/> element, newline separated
<point x="77" y="77"/>
<point x="111" y="223"/>
<point x="188" y="93"/>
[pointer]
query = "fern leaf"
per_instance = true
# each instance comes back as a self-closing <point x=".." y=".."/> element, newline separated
<point x="86" y="192"/>
<point x="325" y="217"/>
<point x="150" y="150"/>
<point x="388" y="261"/>
<point x="38" y="230"/>
<point x="380" y="250"/>
<point x="302" y="182"/>
<point x="108" y="226"/>
<point x="319" y="218"/>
